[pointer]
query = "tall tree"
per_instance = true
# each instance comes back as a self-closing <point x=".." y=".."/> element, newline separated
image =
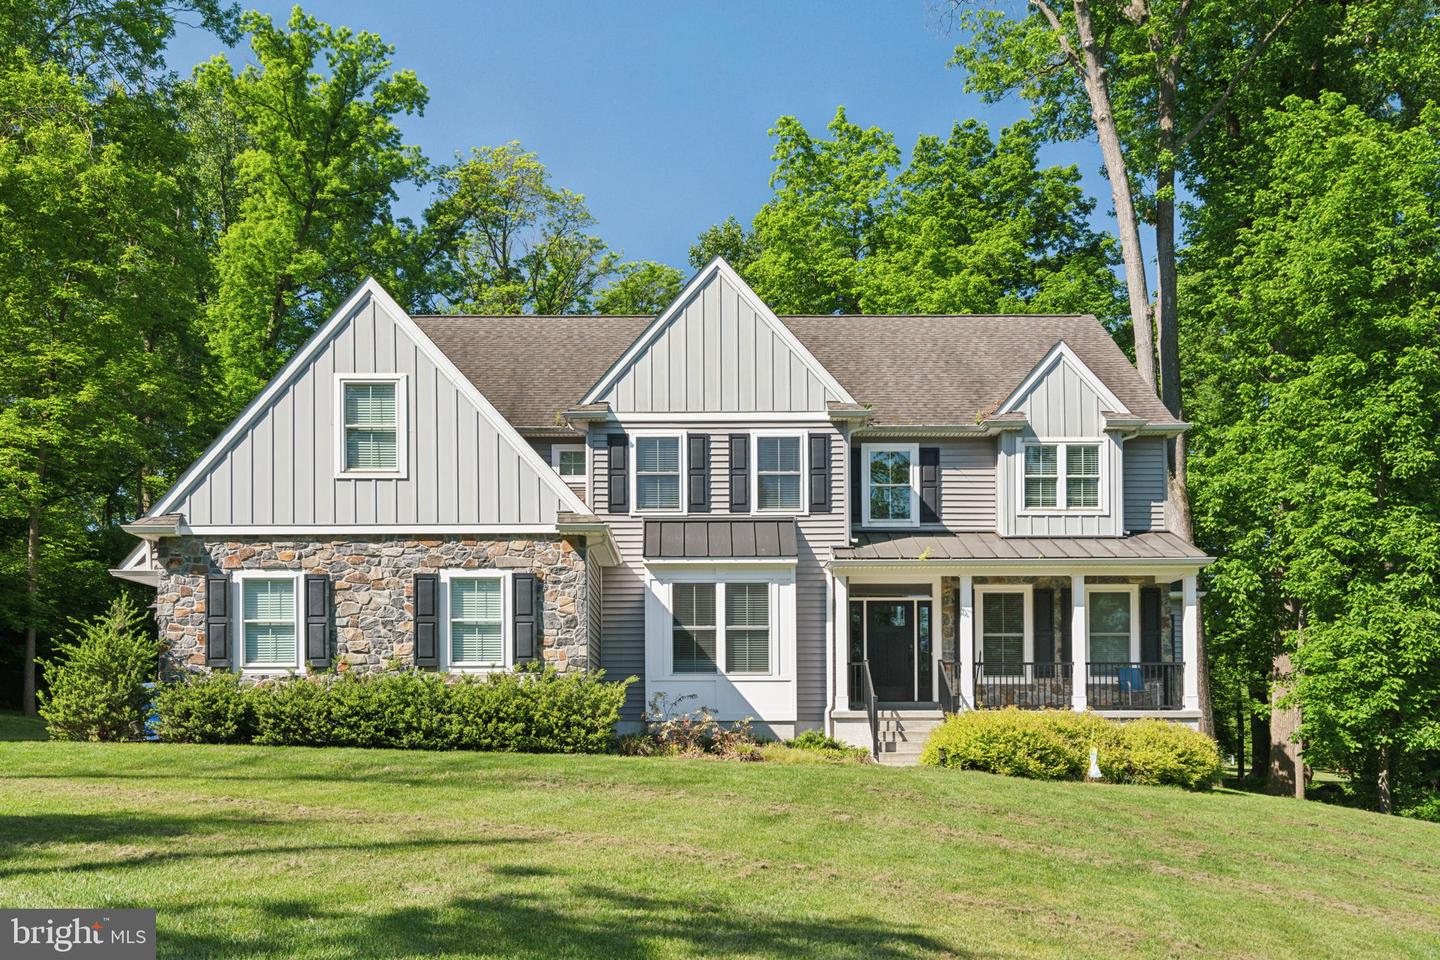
<point x="640" y="287"/>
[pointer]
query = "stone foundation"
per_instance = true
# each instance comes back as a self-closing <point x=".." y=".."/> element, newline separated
<point x="372" y="584"/>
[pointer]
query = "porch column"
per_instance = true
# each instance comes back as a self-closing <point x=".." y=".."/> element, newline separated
<point x="965" y="654"/>
<point x="1079" y="644"/>
<point x="1190" y="644"/>
<point x="841" y="613"/>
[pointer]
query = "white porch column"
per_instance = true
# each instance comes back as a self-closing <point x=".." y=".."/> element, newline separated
<point x="841" y="613"/>
<point x="1079" y="644"/>
<point x="1190" y="644"/>
<point x="965" y="655"/>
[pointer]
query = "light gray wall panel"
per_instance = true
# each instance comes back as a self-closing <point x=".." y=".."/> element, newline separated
<point x="967" y="484"/>
<point x="1146" y="478"/>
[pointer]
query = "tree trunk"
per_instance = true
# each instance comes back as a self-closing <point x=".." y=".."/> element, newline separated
<point x="32" y="604"/>
<point x="1259" y="730"/>
<point x="1383" y="780"/>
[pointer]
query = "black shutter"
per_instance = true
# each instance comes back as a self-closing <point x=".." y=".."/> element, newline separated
<point x="1067" y="616"/>
<point x="739" y="473"/>
<point x="857" y="514"/>
<point x="317" y="620"/>
<point x="427" y="619"/>
<point x="525" y="617"/>
<point x="929" y="484"/>
<point x="217" y="621"/>
<point x="1150" y="607"/>
<point x="1043" y="615"/>
<point x="698" y="467"/>
<point x="619" y="473"/>
<point x="819" y="473"/>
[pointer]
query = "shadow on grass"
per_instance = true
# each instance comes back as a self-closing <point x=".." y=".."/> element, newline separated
<point x="15" y="726"/>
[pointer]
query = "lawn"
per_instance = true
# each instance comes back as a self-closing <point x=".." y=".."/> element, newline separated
<point x="291" y="852"/>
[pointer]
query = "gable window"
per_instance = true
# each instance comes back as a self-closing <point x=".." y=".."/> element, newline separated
<point x="1062" y="476"/>
<point x="371" y="441"/>
<point x="1003" y="618"/>
<point x="778" y="474"/>
<point x="477" y="621"/>
<point x="693" y="632"/>
<point x="268" y="623"/>
<point x="747" y="628"/>
<point x="568" y="459"/>
<point x="657" y="473"/>
<point x="891" y="474"/>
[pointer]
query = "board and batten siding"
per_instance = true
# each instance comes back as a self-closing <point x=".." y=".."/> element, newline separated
<point x="718" y="355"/>
<point x="1146" y="481"/>
<point x="281" y="469"/>
<point x="623" y="591"/>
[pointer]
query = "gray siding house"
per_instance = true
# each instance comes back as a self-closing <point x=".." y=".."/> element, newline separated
<point x="844" y="523"/>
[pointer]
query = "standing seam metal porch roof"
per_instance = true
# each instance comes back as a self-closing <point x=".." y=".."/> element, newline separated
<point x="1145" y="547"/>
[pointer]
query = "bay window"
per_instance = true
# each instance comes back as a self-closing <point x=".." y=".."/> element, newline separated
<point x="735" y="612"/>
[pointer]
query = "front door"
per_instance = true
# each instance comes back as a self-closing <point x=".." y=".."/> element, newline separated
<point x="890" y="636"/>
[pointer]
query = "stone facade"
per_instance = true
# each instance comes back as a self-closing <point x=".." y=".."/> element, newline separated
<point x="372" y="582"/>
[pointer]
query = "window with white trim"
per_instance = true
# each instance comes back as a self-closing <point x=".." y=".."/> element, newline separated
<point x="692" y="634"/>
<point x="657" y="473"/>
<point x="892" y="495"/>
<point x="1002" y="632"/>
<point x="476" y="613"/>
<point x="779" y="474"/>
<point x="1046" y="486"/>
<point x="371" y="425"/>
<point x="568" y="459"/>
<point x="269" y="623"/>
<point x="1111" y="616"/>
<point x="747" y="628"/>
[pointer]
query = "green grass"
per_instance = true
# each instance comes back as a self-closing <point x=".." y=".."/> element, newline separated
<point x="15" y="726"/>
<point x="291" y="852"/>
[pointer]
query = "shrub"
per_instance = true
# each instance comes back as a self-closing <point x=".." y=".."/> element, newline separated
<point x="694" y="733"/>
<point x="204" y="709"/>
<point x="1056" y="745"/>
<point x="813" y="746"/>
<point x="97" y="683"/>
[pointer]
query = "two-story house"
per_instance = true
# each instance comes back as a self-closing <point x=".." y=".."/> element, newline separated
<point x="846" y="523"/>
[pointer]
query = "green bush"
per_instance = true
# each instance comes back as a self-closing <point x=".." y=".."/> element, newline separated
<point x="212" y="709"/>
<point x="1056" y="745"/>
<point x="97" y="683"/>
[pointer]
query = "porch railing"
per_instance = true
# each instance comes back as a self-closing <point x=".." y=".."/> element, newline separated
<point x="863" y="686"/>
<point x="1135" y="686"/>
<point x="1028" y="685"/>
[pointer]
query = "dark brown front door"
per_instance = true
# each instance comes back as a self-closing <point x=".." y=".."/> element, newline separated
<point x="890" y="636"/>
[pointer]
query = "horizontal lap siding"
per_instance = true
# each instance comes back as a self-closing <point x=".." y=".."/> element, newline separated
<point x="967" y="484"/>
<point x="545" y="448"/>
<point x="1146" y="478"/>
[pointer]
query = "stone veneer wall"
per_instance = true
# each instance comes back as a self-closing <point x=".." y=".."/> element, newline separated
<point x="372" y="580"/>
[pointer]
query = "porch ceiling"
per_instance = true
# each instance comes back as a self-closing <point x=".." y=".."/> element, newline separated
<point x="1149" y="547"/>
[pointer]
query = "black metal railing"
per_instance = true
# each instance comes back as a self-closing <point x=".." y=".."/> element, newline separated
<point x="1029" y="686"/>
<point x="863" y="686"/>
<point x="1135" y="686"/>
<point x="949" y="687"/>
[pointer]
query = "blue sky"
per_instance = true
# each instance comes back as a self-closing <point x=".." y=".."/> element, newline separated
<point x="658" y="111"/>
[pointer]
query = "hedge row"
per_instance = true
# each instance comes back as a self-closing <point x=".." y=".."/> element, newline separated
<point x="534" y="710"/>
<point x="1056" y="745"/>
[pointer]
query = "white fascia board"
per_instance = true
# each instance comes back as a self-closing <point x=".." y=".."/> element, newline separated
<point x="1062" y="353"/>
<point x="716" y="267"/>
<point x="146" y="578"/>
<point x="493" y="529"/>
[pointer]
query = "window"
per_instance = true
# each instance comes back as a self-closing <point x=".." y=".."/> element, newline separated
<point x="268" y="624"/>
<point x="1002" y="632"/>
<point x="657" y="473"/>
<point x="371" y="440"/>
<point x="693" y="632"/>
<point x="477" y="635"/>
<point x="777" y="473"/>
<point x="568" y="460"/>
<point x="1111" y="619"/>
<point x="1046" y="487"/>
<point x="747" y="628"/>
<point x="890" y="476"/>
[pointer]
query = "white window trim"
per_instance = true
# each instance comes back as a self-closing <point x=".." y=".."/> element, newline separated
<point x="804" y="508"/>
<point x="507" y="632"/>
<point x="781" y="583"/>
<point x="402" y="426"/>
<point x="1060" y="444"/>
<point x="1028" y="630"/>
<point x="1133" y="590"/>
<point x="237" y="605"/>
<point x="634" y="472"/>
<point x="913" y="449"/>
<point x="557" y="448"/>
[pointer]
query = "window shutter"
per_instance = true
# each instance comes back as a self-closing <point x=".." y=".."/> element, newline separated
<point x="929" y="484"/>
<point x="1043" y="614"/>
<point x="427" y="619"/>
<point x="699" y="470"/>
<point x="619" y="473"/>
<point x="1150" y="608"/>
<point x="217" y="621"/>
<point x="857" y="489"/>
<point x="739" y="473"/>
<point x="317" y="620"/>
<point x="819" y="473"/>
<point x="1066" y="612"/>
<point x="525" y="617"/>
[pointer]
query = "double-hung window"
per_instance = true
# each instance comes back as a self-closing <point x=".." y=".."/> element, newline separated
<point x="778" y="473"/>
<point x="371" y="440"/>
<point x="747" y="628"/>
<point x="692" y="607"/>
<point x="1061" y="476"/>
<point x="657" y="473"/>
<point x="735" y="613"/>
<point x="477" y="618"/>
<point x="1112" y="634"/>
<point x="269" y="617"/>
<point x="1002" y="632"/>
<point x="892" y="496"/>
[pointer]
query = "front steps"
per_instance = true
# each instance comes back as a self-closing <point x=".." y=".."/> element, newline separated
<point x="902" y="734"/>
